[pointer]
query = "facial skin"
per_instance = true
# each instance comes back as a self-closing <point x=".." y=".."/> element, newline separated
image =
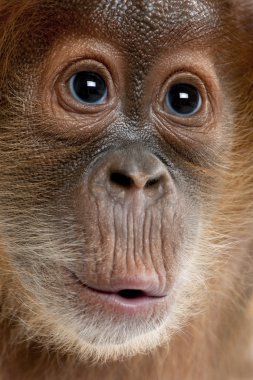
<point x="111" y="236"/>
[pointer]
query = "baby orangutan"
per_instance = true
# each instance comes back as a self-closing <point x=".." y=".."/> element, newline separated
<point x="126" y="189"/>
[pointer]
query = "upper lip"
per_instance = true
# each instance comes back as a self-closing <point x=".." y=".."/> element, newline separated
<point x="149" y="286"/>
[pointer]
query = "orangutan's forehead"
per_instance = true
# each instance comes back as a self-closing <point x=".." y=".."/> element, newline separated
<point x="146" y="19"/>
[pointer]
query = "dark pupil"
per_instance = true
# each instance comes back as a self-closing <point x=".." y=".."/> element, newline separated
<point x="184" y="99"/>
<point x="89" y="87"/>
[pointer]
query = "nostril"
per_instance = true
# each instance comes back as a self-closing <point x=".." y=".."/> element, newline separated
<point x="121" y="179"/>
<point x="152" y="182"/>
<point x="131" y="293"/>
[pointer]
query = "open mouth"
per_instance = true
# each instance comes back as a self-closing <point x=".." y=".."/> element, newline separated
<point x="127" y="301"/>
<point x="123" y="298"/>
<point x="131" y="294"/>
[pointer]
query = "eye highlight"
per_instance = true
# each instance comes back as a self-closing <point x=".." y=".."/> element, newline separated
<point x="88" y="87"/>
<point x="183" y="99"/>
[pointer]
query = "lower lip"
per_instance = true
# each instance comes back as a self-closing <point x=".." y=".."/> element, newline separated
<point x="113" y="302"/>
